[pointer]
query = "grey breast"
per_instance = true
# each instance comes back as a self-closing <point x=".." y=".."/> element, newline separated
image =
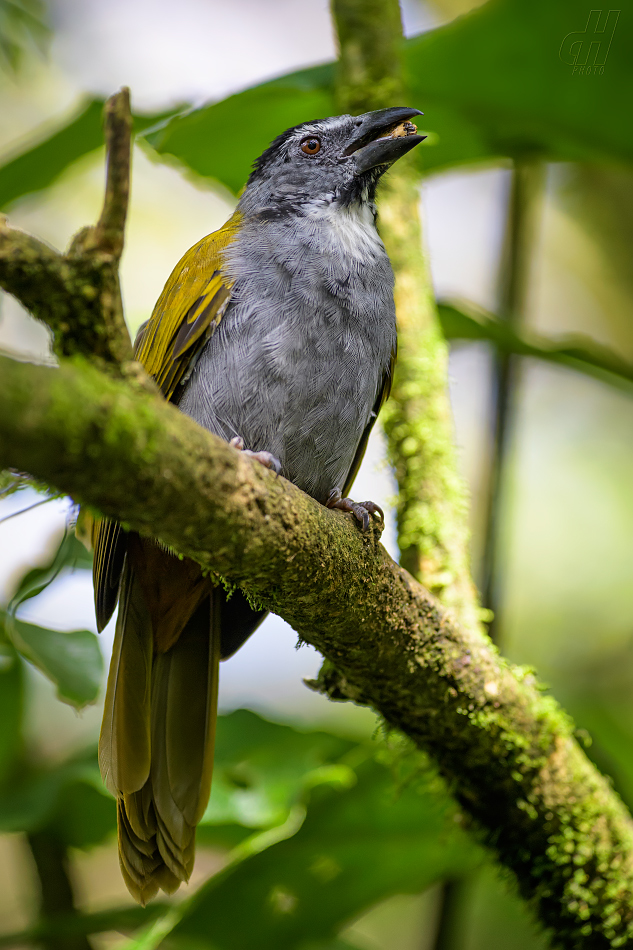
<point x="300" y="354"/>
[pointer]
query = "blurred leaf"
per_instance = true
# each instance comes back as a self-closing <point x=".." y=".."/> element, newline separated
<point x="71" y="554"/>
<point x="498" y="86"/>
<point x="453" y="73"/>
<point x="467" y="322"/>
<point x="261" y="769"/>
<point x="343" y="846"/>
<point x="22" y="26"/>
<point x="85" y="816"/>
<point x="39" y="165"/>
<point x="72" y="661"/>
<point x="356" y="846"/>
<point x="122" y="919"/>
<point x="37" y="799"/>
<point x="11" y="705"/>
<point x="211" y="139"/>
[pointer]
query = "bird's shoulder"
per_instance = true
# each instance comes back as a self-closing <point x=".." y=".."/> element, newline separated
<point x="188" y="310"/>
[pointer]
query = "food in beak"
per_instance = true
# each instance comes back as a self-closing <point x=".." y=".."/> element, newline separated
<point x="401" y="130"/>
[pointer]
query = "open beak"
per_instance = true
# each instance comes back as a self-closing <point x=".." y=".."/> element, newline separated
<point x="383" y="137"/>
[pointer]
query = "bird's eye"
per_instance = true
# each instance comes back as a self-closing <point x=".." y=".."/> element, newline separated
<point x="311" y="145"/>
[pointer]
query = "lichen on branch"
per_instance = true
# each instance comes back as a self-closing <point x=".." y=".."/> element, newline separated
<point x="507" y="751"/>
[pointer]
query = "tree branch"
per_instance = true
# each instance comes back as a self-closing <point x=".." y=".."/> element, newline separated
<point x="507" y="750"/>
<point x="432" y="507"/>
<point x="56" y="895"/>
<point x="77" y="295"/>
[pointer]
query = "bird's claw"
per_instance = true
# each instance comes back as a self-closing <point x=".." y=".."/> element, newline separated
<point x="267" y="459"/>
<point x="360" y="509"/>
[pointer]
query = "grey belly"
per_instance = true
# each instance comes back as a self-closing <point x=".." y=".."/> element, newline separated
<point x="298" y="391"/>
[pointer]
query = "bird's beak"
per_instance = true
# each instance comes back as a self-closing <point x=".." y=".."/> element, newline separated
<point x="382" y="137"/>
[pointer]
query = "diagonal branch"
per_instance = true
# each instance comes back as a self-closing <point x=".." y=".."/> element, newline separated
<point x="507" y="750"/>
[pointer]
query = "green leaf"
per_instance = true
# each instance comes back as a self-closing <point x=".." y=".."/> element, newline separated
<point x="211" y="139"/>
<point x="71" y="554"/>
<point x="72" y="661"/>
<point x="11" y="705"/>
<point x="499" y="75"/>
<point x="343" y="846"/>
<point x="262" y="769"/>
<point x="453" y="74"/>
<point x="356" y="846"/>
<point x="41" y="164"/>
<point x="85" y="815"/>
<point x="62" y="797"/>
<point x="467" y="322"/>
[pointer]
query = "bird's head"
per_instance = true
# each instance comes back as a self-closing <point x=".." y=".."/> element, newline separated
<point x="339" y="159"/>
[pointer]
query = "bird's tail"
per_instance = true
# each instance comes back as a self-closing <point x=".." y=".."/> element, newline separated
<point x="157" y="737"/>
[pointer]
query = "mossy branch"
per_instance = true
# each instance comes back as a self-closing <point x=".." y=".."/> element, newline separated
<point x="432" y="506"/>
<point x="77" y="294"/>
<point x="507" y="751"/>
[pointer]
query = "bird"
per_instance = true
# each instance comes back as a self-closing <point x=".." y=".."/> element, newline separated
<point x="277" y="333"/>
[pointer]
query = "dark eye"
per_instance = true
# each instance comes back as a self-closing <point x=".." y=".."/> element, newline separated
<point x="311" y="145"/>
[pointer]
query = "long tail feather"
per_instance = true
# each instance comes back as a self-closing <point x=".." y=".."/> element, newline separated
<point x="124" y="743"/>
<point x="177" y="706"/>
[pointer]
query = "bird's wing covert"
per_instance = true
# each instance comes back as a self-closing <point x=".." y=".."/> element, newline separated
<point x="186" y="314"/>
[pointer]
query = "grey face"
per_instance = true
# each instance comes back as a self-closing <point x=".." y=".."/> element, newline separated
<point x="336" y="159"/>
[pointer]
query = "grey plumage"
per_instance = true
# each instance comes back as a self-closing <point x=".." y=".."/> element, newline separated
<point x="311" y="317"/>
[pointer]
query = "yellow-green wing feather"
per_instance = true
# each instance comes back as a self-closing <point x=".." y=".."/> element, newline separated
<point x="188" y="310"/>
<point x="186" y="314"/>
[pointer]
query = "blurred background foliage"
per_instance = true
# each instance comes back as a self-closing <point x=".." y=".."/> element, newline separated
<point x="323" y="832"/>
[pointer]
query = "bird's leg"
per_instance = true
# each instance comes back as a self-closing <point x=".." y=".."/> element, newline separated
<point x="360" y="509"/>
<point x="267" y="459"/>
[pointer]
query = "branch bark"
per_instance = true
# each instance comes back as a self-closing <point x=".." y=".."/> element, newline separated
<point x="77" y="294"/>
<point x="507" y="751"/>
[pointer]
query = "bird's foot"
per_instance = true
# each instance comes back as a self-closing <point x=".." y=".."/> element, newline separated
<point x="362" y="510"/>
<point x="267" y="459"/>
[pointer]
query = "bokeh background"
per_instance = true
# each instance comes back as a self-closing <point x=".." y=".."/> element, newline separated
<point x="565" y="549"/>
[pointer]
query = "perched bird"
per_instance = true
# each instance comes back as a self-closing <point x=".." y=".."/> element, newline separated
<point x="278" y="334"/>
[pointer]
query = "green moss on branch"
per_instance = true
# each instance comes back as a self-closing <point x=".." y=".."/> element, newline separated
<point x="508" y="751"/>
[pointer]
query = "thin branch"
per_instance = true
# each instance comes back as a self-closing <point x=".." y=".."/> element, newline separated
<point x="523" y="205"/>
<point x="508" y="751"/>
<point x="77" y="295"/>
<point x="432" y="507"/>
<point x="56" y="895"/>
<point x="107" y="235"/>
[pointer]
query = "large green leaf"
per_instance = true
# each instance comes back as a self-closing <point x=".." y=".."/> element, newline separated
<point x="222" y="140"/>
<point x="352" y="833"/>
<point x="41" y="164"/>
<point x="491" y="84"/>
<point x="72" y="661"/>
<point x="500" y="74"/>
<point x="356" y="846"/>
<point x="467" y="322"/>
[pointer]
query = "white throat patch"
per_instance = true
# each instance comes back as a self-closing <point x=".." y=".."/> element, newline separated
<point x="352" y="227"/>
